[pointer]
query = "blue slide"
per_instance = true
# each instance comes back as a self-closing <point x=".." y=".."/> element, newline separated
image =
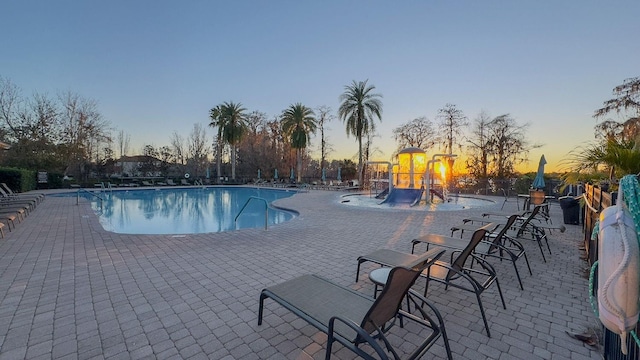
<point x="437" y="193"/>
<point x="403" y="196"/>
<point x="383" y="193"/>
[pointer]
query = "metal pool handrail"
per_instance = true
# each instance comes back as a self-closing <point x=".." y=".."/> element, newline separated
<point x="90" y="193"/>
<point x="266" y="211"/>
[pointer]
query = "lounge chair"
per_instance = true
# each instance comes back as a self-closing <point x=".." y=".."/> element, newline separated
<point x="20" y="211"/>
<point x="184" y="182"/>
<point x="352" y="318"/>
<point x="543" y="213"/>
<point x="10" y="218"/>
<point x="501" y="246"/>
<point x="451" y="274"/>
<point x="37" y="197"/>
<point x="6" y="201"/>
<point x="146" y="183"/>
<point x="524" y="228"/>
<point x="171" y="183"/>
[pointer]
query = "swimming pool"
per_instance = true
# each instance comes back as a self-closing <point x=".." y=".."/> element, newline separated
<point x="186" y="210"/>
<point x="456" y="202"/>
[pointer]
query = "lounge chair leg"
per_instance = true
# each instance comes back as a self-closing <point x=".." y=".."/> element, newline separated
<point x="327" y="354"/>
<point x="539" y="241"/>
<point x="484" y="316"/>
<point x="526" y="259"/>
<point x="546" y="240"/>
<point x="441" y="327"/>
<point x="260" y="308"/>
<point x="504" y="305"/>
<point x="518" y="275"/>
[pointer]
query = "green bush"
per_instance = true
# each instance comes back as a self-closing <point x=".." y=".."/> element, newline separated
<point x="19" y="180"/>
<point x="523" y="183"/>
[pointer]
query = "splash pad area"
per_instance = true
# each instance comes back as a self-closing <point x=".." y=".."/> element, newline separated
<point x="414" y="183"/>
<point x="454" y="203"/>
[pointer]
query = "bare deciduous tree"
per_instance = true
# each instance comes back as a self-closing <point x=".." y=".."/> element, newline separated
<point x="508" y="144"/>
<point x="452" y="121"/>
<point x="197" y="149"/>
<point x="178" y="148"/>
<point x="418" y="132"/>
<point x="478" y="146"/>
<point x="10" y="100"/>
<point x="123" y="143"/>
<point x="82" y="126"/>
<point x="324" y="115"/>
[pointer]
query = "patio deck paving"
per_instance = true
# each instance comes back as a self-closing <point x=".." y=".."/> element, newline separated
<point x="71" y="290"/>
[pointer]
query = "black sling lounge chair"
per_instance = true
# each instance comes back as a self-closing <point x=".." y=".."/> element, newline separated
<point x="500" y="246"/>
<point x="454" y="273"/>
<point x="352" y="318"/>
<point x="524" y="228"/>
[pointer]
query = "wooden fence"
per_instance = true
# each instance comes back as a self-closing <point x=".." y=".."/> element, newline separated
<point x="597" y="200"/>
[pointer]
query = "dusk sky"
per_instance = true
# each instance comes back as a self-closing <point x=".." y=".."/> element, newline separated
<point x="157" y="67"/>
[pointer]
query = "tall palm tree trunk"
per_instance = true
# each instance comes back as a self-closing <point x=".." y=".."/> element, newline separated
<point x="218" y="159"/>
<point x="233" y="162"/>
<point x="299" y="164"/>
<point x="360" y="165"/>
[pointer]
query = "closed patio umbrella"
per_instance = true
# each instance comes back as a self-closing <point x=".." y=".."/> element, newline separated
<point x="293" y="175"/>
<point x="258" y="173"/>
<point x="275" y="173"/>
<point x="538" y="182"/>
<point x="324" y="174"/>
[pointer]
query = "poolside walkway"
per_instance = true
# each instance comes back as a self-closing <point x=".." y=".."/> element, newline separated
<point x="70" y="290"/>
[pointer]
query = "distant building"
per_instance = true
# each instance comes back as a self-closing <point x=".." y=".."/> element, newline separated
<point x="138" y="166"/>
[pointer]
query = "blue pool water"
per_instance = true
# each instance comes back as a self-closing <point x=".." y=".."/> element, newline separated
<point x="185" y="210"/>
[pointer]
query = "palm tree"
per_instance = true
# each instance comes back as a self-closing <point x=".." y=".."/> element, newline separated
<point x="298" y="122"/>
<point x="357" y="109"/>
<point x="230" y="120"/>
<point x="217" y="121"/>
<point x="617" y="144"/>
<point x="619" y="155"/>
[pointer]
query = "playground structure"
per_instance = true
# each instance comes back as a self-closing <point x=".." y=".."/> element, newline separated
<point x="413" y="179"/>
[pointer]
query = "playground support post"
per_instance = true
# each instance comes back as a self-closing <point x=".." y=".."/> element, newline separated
<point x="389" y="170"/>
<point x="433" y="161"/>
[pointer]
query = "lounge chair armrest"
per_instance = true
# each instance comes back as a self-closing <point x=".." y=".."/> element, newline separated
<point x="512" y="242"/>
<point x="461" y="274"/>
<point x="438" y="329"/>
<point x="418" y="300"/>
<point x="361" y="334"/>
<point x="483" y="263"/>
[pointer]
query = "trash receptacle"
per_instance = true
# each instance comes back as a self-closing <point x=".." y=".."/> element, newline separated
<point x="570" y="209"/>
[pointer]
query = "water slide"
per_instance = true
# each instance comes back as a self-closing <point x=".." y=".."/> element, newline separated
<point x="437" y="193"/>
<point x="383" y="193"/>
<point x="403" y="196"/>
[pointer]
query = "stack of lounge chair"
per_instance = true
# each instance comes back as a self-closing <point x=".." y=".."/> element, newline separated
<point x="15" y="207"/>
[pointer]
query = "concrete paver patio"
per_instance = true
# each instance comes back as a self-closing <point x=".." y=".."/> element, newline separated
<point x="71" y="290"/>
